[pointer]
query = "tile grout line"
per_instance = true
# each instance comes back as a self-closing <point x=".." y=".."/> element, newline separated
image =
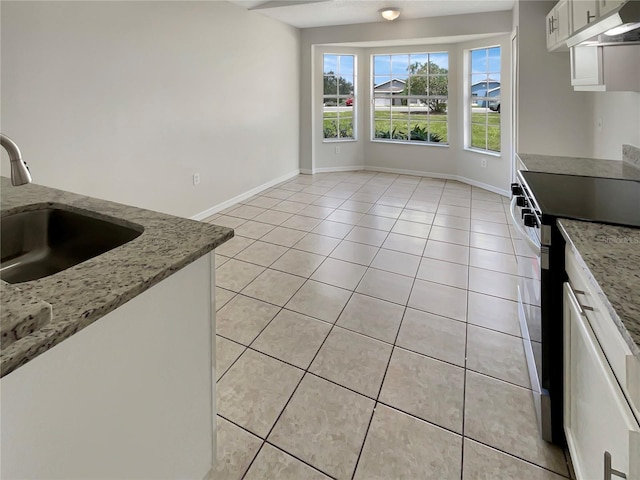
<point x="466" y="349"/>
<point x="264" y="441"/>
<point x="300" y="381"/>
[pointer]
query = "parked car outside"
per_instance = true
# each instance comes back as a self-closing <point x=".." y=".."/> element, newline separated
<point x="349" y="102"/>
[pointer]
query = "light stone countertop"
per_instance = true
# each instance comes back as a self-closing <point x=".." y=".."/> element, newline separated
<point x="39" y="314"/>
<point x="610" y="257"/>
<point x="588" y="167"/>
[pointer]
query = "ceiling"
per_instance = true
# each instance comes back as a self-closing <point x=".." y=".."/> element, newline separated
<point x="322" y="13"/>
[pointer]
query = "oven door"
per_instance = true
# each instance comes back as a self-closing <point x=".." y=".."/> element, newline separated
<point x="529" y="314"/>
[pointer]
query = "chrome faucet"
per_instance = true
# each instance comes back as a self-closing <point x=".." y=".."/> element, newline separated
<point x="19" y="170"/>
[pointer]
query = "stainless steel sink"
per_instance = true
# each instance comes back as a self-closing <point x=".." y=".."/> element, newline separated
<point x="39" y="243"/>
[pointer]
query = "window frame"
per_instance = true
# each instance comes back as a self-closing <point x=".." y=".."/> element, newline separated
<point x="468" y="97"/>
<point x="338" y="97"/>
<point x="409" y="97"/>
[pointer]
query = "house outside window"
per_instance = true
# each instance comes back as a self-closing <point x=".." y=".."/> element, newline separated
<point x="410" y="95"/>
<point x="339" y="98"/>
<point x="484" y="99"/>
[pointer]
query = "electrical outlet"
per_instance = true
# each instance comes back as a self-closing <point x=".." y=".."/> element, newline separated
<point x="483" y="163"/>
<point x="337" y="150"/>
<point x="196" y="179"/>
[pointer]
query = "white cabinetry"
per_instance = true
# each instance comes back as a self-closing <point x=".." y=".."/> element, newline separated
<point x="601" y="378"/>
<point x="584" y="13"/>
<point x="558" y="26"/>
<point x="131" y="396"/>
<point x="598" y="421"/>
<point x="586" y="66"/>
<point x="606" y="69"/>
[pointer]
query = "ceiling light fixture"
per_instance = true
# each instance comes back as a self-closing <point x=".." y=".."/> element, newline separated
<point x="390" y="13"/>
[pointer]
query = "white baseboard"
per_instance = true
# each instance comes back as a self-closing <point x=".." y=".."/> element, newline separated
<point x="486" y="186"/>
<point x="243" y="196"/>
<point x="415" y="173"/>
<point x="353" y="168"/>
<point x="447" y="176"/>
<point x="304" y="171"/>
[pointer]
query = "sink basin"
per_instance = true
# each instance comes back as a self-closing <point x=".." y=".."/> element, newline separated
<point x="39" y="243"/>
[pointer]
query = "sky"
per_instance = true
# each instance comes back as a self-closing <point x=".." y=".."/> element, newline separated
<point x="485" y="63"/>
<point x="397" y="65"/>
<point x="342" y="64"/>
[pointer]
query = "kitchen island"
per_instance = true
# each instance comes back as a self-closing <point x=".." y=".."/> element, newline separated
<point x="107" y="366"/>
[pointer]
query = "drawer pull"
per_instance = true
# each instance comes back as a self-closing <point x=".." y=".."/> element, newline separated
<point x="608" y="470"/>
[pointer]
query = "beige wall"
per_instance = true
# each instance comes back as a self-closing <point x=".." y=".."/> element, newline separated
<point x="620" y="115"/>
<point x="127" y="100"/>
<point x="553" y="119"/>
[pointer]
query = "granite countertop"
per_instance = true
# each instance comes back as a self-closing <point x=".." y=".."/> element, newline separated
<point x="39" y="314"/>
<point x="610" y="257"/>
<point x="588" y="167"/>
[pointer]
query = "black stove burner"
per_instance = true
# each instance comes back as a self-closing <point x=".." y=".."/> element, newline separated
<point x="604" y="200"/>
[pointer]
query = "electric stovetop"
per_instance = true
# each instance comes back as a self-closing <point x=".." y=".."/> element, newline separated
<point x="604" y="200"/>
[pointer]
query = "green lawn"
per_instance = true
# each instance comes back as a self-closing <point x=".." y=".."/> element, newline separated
<point x="485" y="128"/>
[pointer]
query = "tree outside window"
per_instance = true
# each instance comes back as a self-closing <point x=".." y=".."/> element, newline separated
<point x="338" y="117"/>
<point x="410" y="95"/>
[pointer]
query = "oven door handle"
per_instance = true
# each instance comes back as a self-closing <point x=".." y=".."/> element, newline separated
<point x="533" y="246"/>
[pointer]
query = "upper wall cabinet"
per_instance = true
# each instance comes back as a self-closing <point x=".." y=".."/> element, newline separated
<point x="605" y="69"/>
<point x="572" y="22"/>
<point x="584" y="13"/>
<point x="559" y="27"/>
<point x="596" y="67"/>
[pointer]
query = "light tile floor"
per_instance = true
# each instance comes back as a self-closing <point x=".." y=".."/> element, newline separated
<point x="367" y="329"/>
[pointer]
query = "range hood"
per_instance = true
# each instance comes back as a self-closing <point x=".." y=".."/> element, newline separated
<point x="622" y="25"/>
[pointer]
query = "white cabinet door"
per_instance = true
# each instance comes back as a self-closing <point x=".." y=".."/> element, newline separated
<point x="584" y="12"/>
<point x="605" y="6"/>
<point x="586" y="66"/>
<point x="597" y="419"/>
<point x="558" y="26"/>
<point x="563" y="28"/>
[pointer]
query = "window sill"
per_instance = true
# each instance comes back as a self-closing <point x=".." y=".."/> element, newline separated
<point x="484" y="152"/>
<point x="420" y="144"/>
<point x="338" y="140"/>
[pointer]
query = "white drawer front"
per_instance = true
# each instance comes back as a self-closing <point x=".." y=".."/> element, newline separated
<point x="597" y="416"/>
